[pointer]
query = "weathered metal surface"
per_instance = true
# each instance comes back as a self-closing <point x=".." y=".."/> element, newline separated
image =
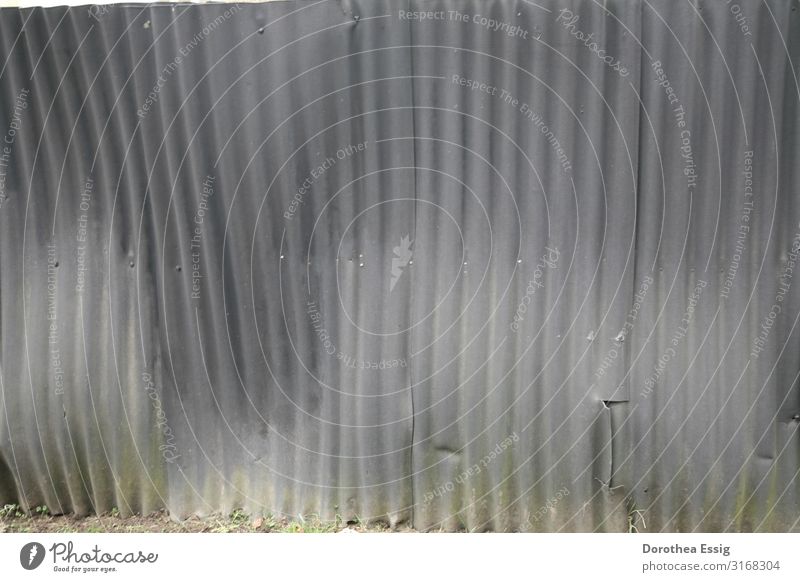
<point x="460" y="265"/>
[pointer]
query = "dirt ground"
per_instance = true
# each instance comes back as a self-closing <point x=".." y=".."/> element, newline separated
<point x="14" y="521"/>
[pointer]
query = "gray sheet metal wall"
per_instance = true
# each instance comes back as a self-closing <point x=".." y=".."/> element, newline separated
<point x="510" y="266"/>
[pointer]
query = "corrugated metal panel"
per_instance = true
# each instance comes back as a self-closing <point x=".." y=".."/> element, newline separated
<point x="467" y="272"/>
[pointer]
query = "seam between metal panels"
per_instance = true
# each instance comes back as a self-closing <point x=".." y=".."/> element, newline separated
<point x="411" y="274"/>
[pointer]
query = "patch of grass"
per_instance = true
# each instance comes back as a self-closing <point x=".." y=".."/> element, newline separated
<point x="239" y="517"/>
<point x="311" y="525"/>
<point x="14" y="520"/>
<point x="11" y="510"/>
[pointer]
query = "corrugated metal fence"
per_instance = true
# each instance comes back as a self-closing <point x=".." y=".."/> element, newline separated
<point x="480" y="265"/>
